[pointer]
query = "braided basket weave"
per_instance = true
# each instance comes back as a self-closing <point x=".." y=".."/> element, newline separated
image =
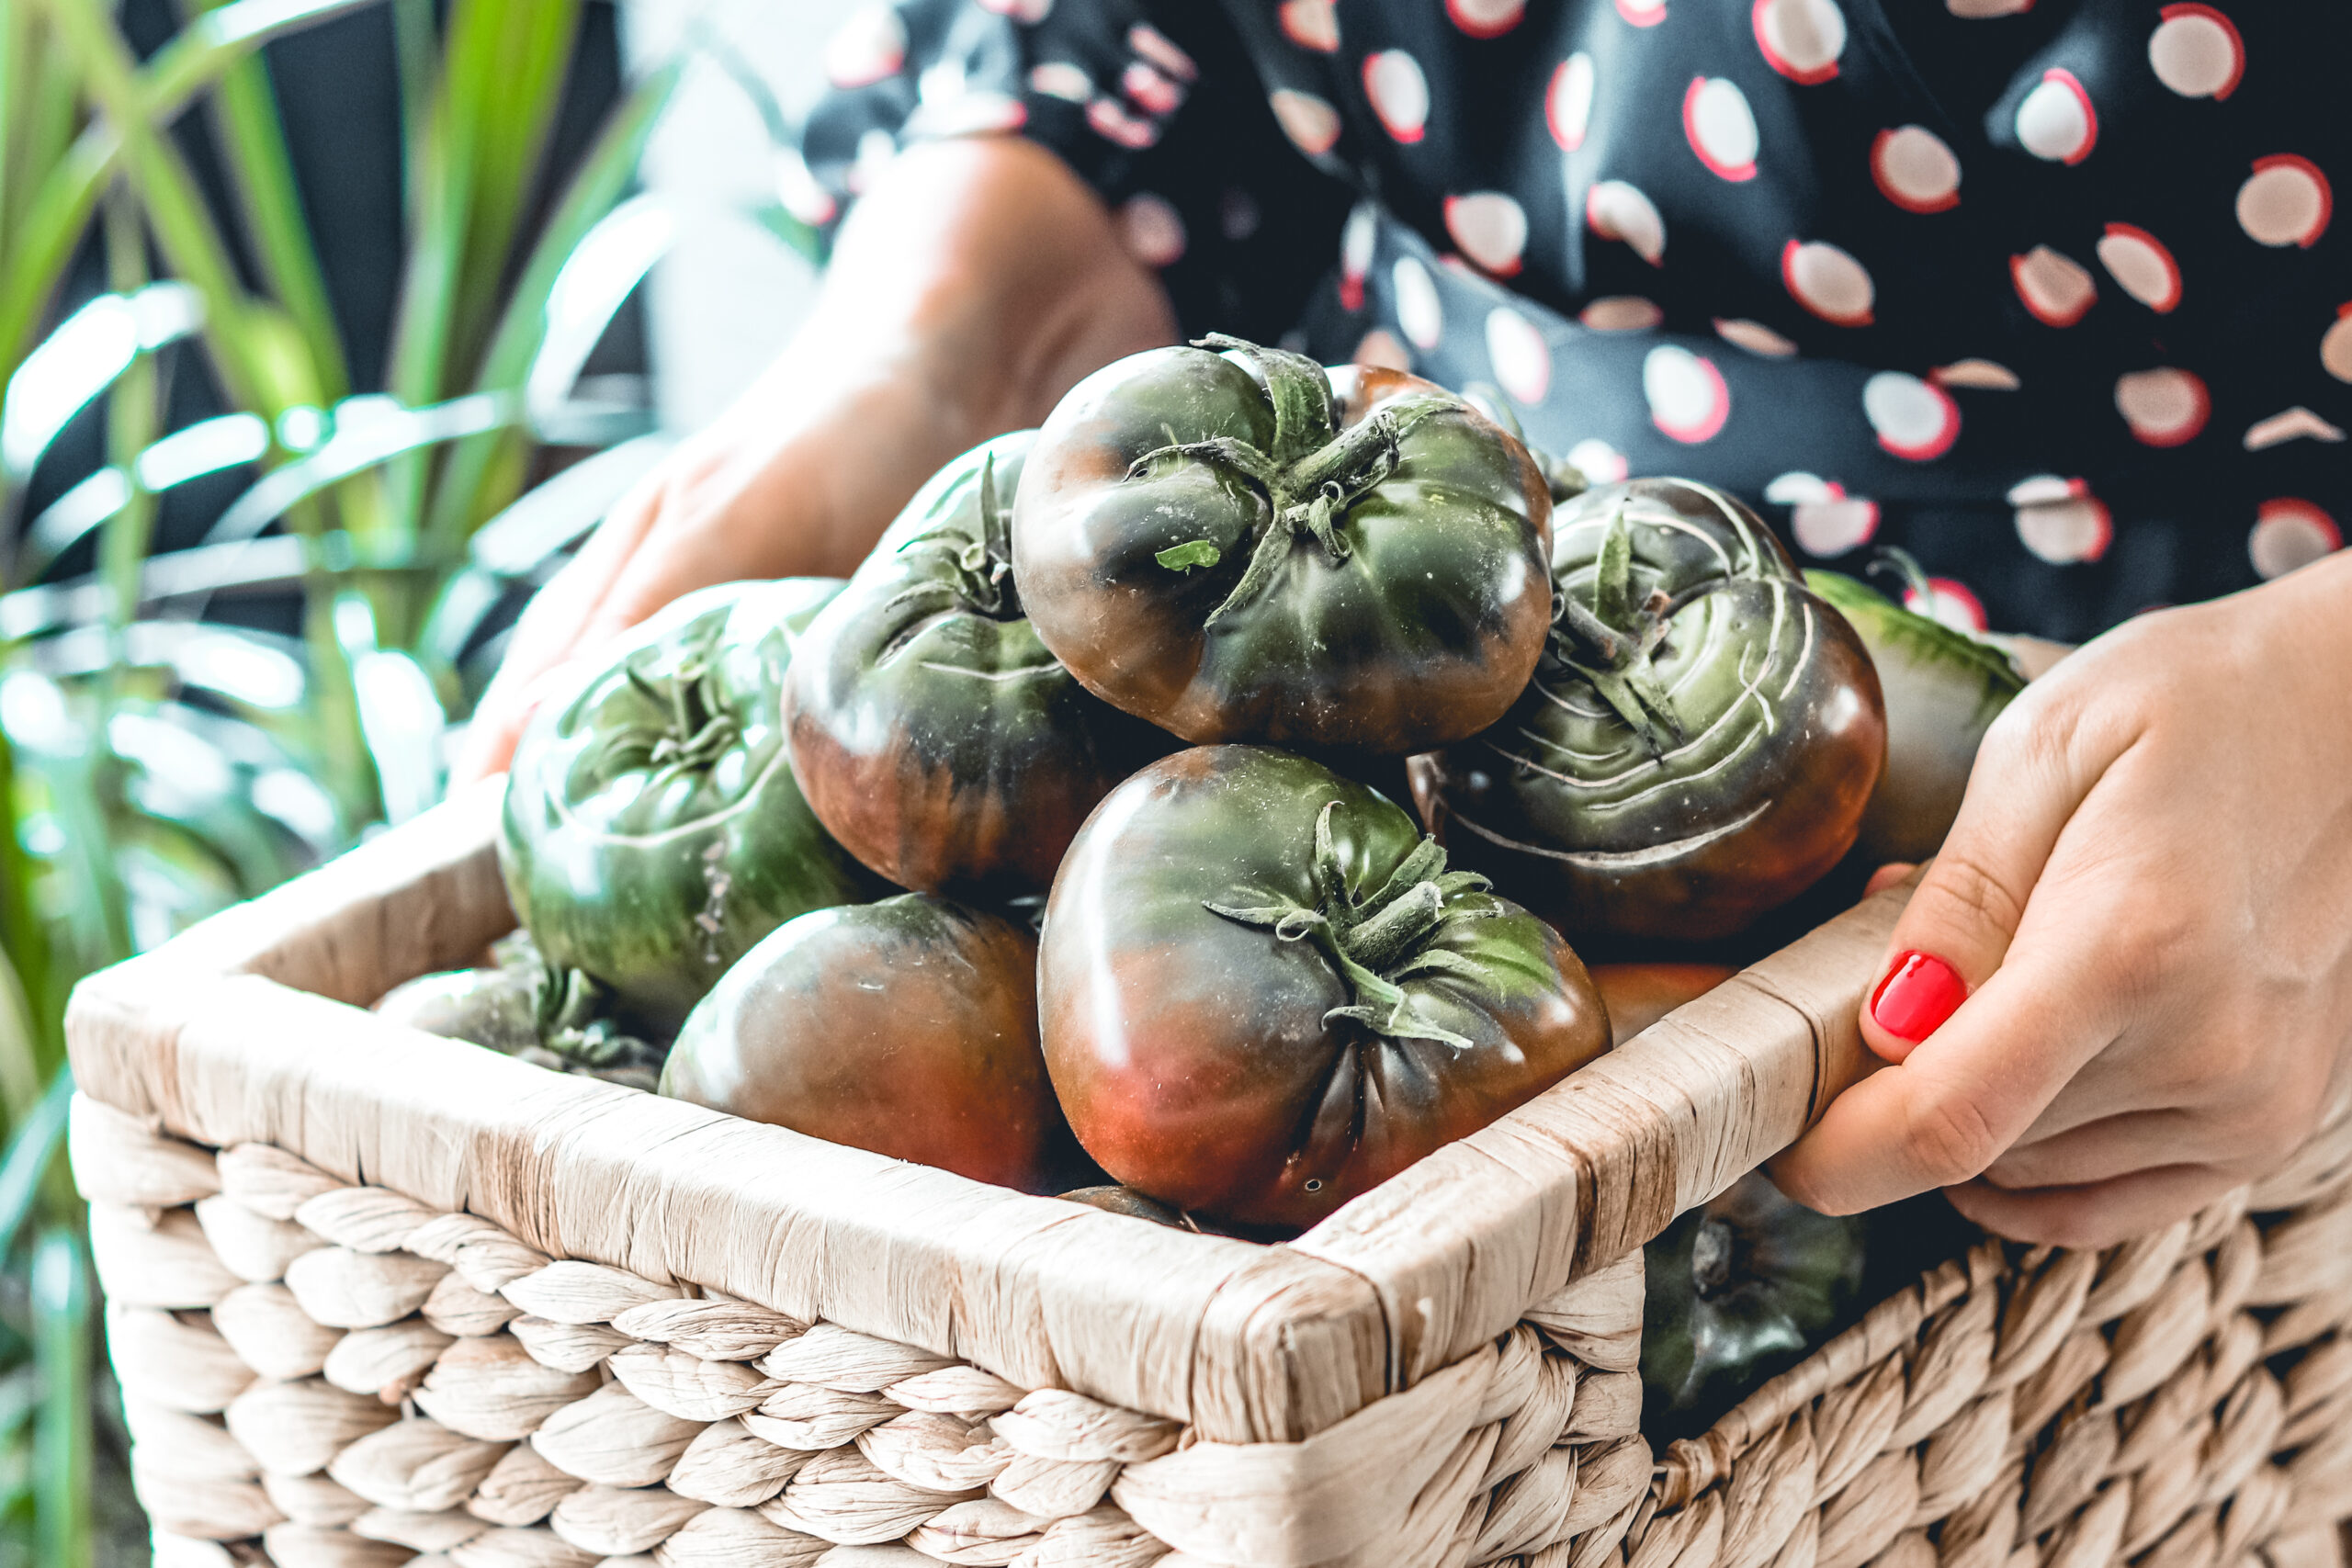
<point x="377" y="1298"/>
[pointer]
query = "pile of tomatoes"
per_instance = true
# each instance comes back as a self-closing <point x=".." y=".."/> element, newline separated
<point x="1078" y="818"/>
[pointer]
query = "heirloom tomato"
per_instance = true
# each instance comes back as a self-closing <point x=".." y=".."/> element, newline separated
<point x="907" y="1027"/>
<point x="1943" y="691"/>
<point x="930" y="730"/>
<point x="1243" y="545"/>
<point x="1638" y="995"/>
<point x="1263" y="992"/>
<point x="1700" y="739"/>
<point x="1740" y="1289"/>
<point x="652" y="828"/>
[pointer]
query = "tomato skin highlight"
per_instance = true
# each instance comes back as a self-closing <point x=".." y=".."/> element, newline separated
<point x="1719" y="768"/>
<point x="1639" y="994"/>
<point x="932" y="731"/>
<point x="652" y="830"/>
<point x="907" y="1027"/>
<point x="1169" y="552"/>
<point x="1197" y="1054"/>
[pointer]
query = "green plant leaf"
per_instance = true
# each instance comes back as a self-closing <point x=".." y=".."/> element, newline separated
<point x="463" y="499"/>
<point x="33" y="1146"/>
<point x="1190" y="554"/>
<point x="64" y="1349"/>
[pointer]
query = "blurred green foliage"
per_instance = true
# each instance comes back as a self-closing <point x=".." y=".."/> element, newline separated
<point x="157" y="764"/>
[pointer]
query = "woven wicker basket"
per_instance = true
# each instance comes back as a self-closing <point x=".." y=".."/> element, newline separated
<point x="376" y="1297"/>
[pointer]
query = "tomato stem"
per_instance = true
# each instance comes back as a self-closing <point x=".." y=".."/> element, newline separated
<point x="1378" y="939"/>
<point x="1611" y="643"/>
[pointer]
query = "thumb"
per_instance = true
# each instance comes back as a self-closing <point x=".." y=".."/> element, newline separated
<point x="1965" y="909"/>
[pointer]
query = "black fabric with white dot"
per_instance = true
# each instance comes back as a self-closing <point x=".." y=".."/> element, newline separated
<point x="2050" y="294"/>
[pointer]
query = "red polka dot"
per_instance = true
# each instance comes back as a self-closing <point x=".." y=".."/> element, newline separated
<point x="1641" y="13"/>
<point x="1521" y="360"/>
<point x="1913" y="418"/>
<point x="869" y="45"/>
<point x="1311" y="24"/>
<point x="1161" y="49"/>
<point x="2196" y="52"/>
<point x="1720" y="126"/>
<point x="1312" y="124"/>
<point x="2290" y="532"/>
<point x="1114" y="121"/>
<point x="2165" y="406"/>
<point x="1949" y="600"/>
<point x="2141" y="266"/>
<point x="1801" y="39"/>
<point x="1380" y="347"/>
<point x="1686" y="396"/>
<point x="2286" y="201"/>
<point x="2335" y="345"/>
<point x="1914" y="169"/>
<point x="1828" y="282"/>
<point x="1754" y="336"/>
<point x="798" y="191"/>
<point x="1833" y="522"/>
<point x="1567" y="103"/>
<point x="1152" y="230"/>
<point x="1615" y="210"/>
<point x="1486" y="18"/>
<point x="1490" y="228"/>
<point x="1358" y="238"/>
<point x="1060" y="79"/>
<point x="1978" y="374"/>
<point x="1599" y="461"/>
<point x="2055" y="288"/>
<point x="1419" y="309"/>
<point x="1398" y="92"/>
<point x="2061" y="521"/>
<point x="1621" y="313"/>
<point x="1149" y="90"/>
<point x="2296" y="423"/>
<point x="2056" y="121"/>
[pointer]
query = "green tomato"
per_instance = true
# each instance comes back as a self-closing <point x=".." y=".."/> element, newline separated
<point x="653" y="830"/>
<point x="1698" y="742"/>
<point x="1244" y="545"/>
<point x="1739" y="1289"/>
<point x="1944" y="690"/>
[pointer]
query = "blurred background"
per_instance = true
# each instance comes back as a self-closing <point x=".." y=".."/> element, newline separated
<point x="327" y="328"/>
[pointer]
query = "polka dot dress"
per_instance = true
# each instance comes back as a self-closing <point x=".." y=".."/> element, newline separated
<point x="2051" y="293"/>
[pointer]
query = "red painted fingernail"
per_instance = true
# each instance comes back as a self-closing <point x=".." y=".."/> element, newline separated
<point x="1918" y="995"/>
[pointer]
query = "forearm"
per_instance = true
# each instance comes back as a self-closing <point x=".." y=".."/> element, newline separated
<point x="970" y="287"/>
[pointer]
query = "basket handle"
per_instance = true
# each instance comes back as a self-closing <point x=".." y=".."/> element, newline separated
<point x="1460" y="1244"/>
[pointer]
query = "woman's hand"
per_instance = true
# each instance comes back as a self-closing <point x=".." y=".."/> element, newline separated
<point x="970" y="287"/>
<point x="2125" y="986"/>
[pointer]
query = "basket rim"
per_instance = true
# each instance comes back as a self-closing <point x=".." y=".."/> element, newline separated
<point x="215" y="1036"/>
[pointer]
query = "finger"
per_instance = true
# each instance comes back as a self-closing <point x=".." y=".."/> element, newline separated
<point x="2105" y="1149"/>
<point x="1886" y="877"/>
<point x="2100" y="1214"/>
<point x="2030" y="777"/>
<point x="1958" y="1099"/>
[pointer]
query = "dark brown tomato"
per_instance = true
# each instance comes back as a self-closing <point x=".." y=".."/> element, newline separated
<point x="1243" y="545"/>
<point x="907" y="1027"/>
<point x="1700" y="740"/>
<point x="1263" y="993"/>
<point x="932" y="733"/>
<point x="1638" y="995"/>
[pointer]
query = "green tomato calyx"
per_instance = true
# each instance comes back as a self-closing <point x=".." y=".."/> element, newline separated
<point x="1611" y="642"/>
<point x="564" y="1005"/>
<point x="701" y="724"/>
<point x="1379" y="940"/>
<point x="1310" y="473"/>
<point x="981" y="582"/>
